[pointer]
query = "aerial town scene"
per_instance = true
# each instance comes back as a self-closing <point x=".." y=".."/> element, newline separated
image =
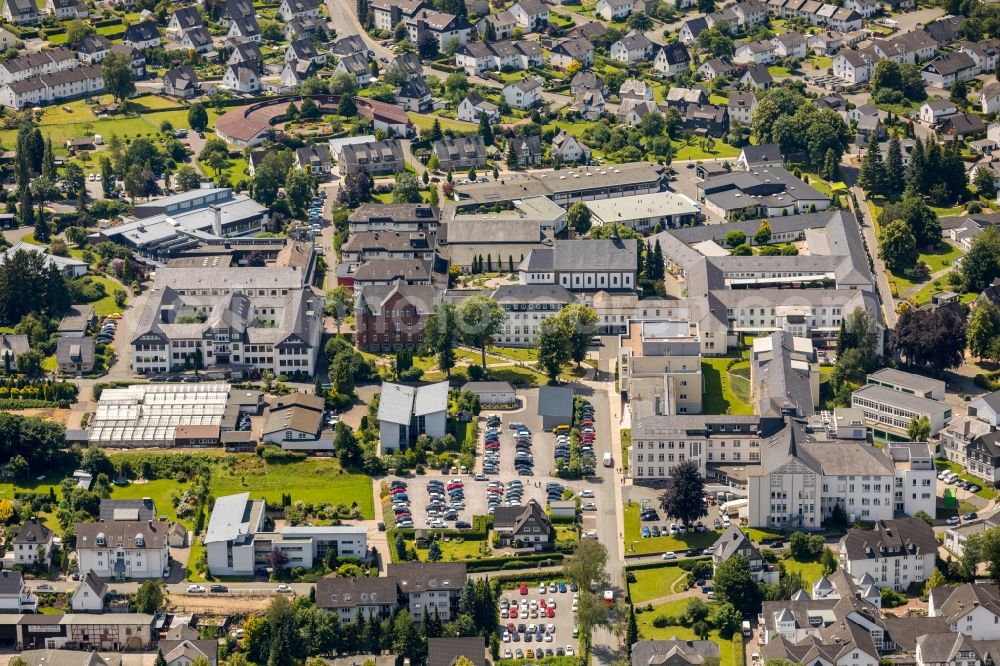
<point x="499" y="332"/>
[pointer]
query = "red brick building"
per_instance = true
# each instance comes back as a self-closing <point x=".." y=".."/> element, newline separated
<point x="391" y="317"/>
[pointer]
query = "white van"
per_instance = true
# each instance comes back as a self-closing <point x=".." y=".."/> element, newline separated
<point x="608" y="462"/>
<point x="747" y="631"/>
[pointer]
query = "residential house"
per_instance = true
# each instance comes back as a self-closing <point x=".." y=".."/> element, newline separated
<point x="946" y="69"/>
<point x="12" y="346"/>
<point x="706" y="119"/>
<point x="989" y="98"/>
<point x="66" y="10"/>
<point x="647" y="653"/>
<point x="573" y="49"/>
<point x="93" y="48"/>
<point x="184" y="652"/>
<point x="962" y="126"/>
<point x="244" y="29"/>
<point x="241" y="79"/>
<point x="523" y="94"/>
<point x="589" y="104"/>
<point x="970" y="609"/>
<point x="142" y="35"/>
<point x="474" y="105"/>
<point x="741" y="106"/>
<point x="387" y="14"/>
<point x="690" y="30"/>
<point x="790" y="45"/>
<point x="715" y="68"/>
<point x="406" y="412"/>
<point x="21" y="12"/>
<point x="672" y="59"/>
<point x="460" y="153"/>
<point x="357" y="66"/>
<point x="681" y="98"/>
<point x="585" y="80"/>
<point x="526" y="150"/>
<point x="316" y="157"/>
<point x="760" y="52"/>
<point x="853" y="66"/>
<point x="33" y="543"/>
<point x="566" y="148"/>
<point x="182" y="20"/>
<point x="415" y="95"/>
<point x="442" y="27"/>
<point x="430" y="587"/>
<point x="249" y="55"/>
<point x="934" y="111"/>
<point x="75" y="355"/>
<point x="14" y="596"/>
<point x="614" y="10"/>
<point x="632" y="48"/>
<point x="635" y="89"/>
<point x="524" y="526"/>
<point x="757" y="77"/>
<point x="123" y="549"/>
<point x="765" y="156"/>
<point x="531" y="15"/>
<point x="298" y="9"/>
<point x="181" y="82"/>
<point x="733" y="542"/>
<point x="349" y="45"/>
<point x="503" y="24"/>
<point x="372" y="597"/>
<point x="89" y="595"/>
<point x="197" y="39"/>
<point x="895" y="554"/>
<point x="908" y="47"/>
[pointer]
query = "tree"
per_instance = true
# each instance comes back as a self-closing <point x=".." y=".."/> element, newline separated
<point x="439" y="336"/>
<point x="485" y="129"/>
<point x="186" y="178"/>
<point x="77" y="31"/>
<point x="727" y="619"/>
<point x="697" y="610"/>
<point x="29" y="363"/>
<point x="406" y="188"/>
<point x="872" y="177"/>
<point x="919" y="429"/>
<point x="937" y="579"/>
<point x="763" y="234"/>
<point x="581" y="322"/>
<point x="587" y="564"/>
<point x="735" y="238"/>
<point x="160" y="659"/>
<point x="734" y="584"/>
<point x="107" y="176"/>
<point x="299" y="189"/>
<point x="434" y="552"/>
<point x="215" y="154"/>
<point x="553" y="346"/>
<point x="717" y="41"/>
<point x="198" y="117"/>
<point x="959" y="93"/>
<point x="684" y="497"/>
<point x="933" y="339"/>
<point x="285" y="643"/>
<point x="119" y="79"/>
<point x="983" y="328"/>
<point x="981" y="265"/>
<point x="894" y="170"/>
<point x="897" y="247"/>
<point x="985" y="183"/>
<point x="339" y="302"/>
<point x="347" y="107"/>
<point x="829" y="562"/>
<point x="149" y="597"/>
<point x="406" y="640"/>
<point x="479" y="318"/>
<point x="983" y="547"/>
<point x="579" y="217"/>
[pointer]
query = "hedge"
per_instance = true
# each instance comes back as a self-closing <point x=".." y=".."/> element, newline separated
<point x="517" y="562"/>
<point x="10" y="403"/>
<point x="534" y="576"/>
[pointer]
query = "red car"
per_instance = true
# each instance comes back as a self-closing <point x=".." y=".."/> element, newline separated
<point x="513" y="612"/>
<point x="398" y="491"/>
<point x="524" y="588"/>
<point x="453" y="486"/>
<point x="588" y="422"/>
<point x="550" y="612"/>
<point x="542" y="603"/>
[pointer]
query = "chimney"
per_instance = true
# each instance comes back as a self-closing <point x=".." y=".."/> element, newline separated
<point x="216" y="220"/>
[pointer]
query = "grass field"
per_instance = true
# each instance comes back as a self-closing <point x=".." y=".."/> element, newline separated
<point x="425" y="122"/>
<point x="778" y="70"/>
<point x="719" y="396"/>
<point x="455" y="551"/>
<point x="811" y="571"/>
<point x="106" y="305"/>
<point x="159" y="491"/>
<point x="730" y="651"/>
<point x="936" y="261"/>
<point x="693" y="151"/>
<point x="634" y="543"/>
<point x="653" y="583"/>
<point x="316" y="480"/>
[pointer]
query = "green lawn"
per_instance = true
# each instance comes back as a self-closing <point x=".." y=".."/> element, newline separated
<point x="822" y="62"/>
<point x="716" y="98"/>
<point x="426" y="121"/>
<point x="654" y="583"/>
<point x="235" y="171"/>
<point x="985" y="492"/>
<point x="455" y="551"/>
<point x="719" y="396"/>
<point x="811" y="571"/>
<point x="693" y="151"/>
<point x="778" y="70"/>
<point x="523" y="354"/>
<point x="730" y="651"/>
<point x="635" y="543"/>
<point x="106" y="305"/>
<point x="316" y="480"/>
<point x="936" y="261"/>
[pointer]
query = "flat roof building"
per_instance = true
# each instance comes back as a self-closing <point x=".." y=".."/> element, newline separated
<point x="889" y="413"/>
<point x="644" y="212"/>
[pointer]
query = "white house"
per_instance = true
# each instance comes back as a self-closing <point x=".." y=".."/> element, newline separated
<point x="672" y="59"/>
<point x="33" y="542"/>
<point x="531" y="15"/>
<point x="614" y="10"/>
<point x="406" y="412"/>
<point x="523" y="94"/>
<point x="732" y="542"/>
<point x="761" y="52"/>
<point x="123" y="549"/>
<point x="298" y="9"/>
<point x="14" y="598"/>
<point x="970" y="609"/>
<point x="895" y="553"/>
<point x="566" y="147"/>
<point x="790" y="45"/>
<point x="633" y="47"/>
<point x="492" y="393"/>
<point x="89" y="594"/>
<point x="241" y="79"/>
<point x="935" y="111"/>
<point x="989" y="98"/>
<point x="853" y="66"/>
<point x="474" y="106"/>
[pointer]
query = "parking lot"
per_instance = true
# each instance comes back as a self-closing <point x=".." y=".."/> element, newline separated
<point x="557" y="633"/>
<point x="475" y="492"/>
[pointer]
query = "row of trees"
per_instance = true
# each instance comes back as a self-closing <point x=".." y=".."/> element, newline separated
<point x="474" y="322"/>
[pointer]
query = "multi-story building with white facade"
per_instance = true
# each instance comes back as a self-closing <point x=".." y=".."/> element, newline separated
<point x="430" y="587"/>
<point x="669" y="354"/>
<point x="85" y="80"/>
<point x="889" y="413"/>
<point x="527" y="306"/>
<point x="908" y="382"/>
<point x="264" y="318"/>
<point x="123" y="549"/>
<point x="373" y="597"/>
<point x="237" y="545"/>
<point x="971" y="609"/>
<point x="895" y="553"/>
<point x="32" y="543"/>
<point x="915" y="485"/>
<point x="583" y="265"/>
<point x="958" y="434"/>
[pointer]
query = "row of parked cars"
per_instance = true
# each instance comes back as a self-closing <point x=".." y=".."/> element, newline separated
<point x="107" y="333"/>
<point x="524" y="461"/>
<point x="497" y="494"/>
<point x="446" y="500"/>
<point x="588" y="434"/>
<point x="491" y="459"/>
<point x="401" y="504"/>
<point x="952" y="479"/>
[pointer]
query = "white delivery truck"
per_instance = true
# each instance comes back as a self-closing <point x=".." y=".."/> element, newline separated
<point x="608" y="462"/>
